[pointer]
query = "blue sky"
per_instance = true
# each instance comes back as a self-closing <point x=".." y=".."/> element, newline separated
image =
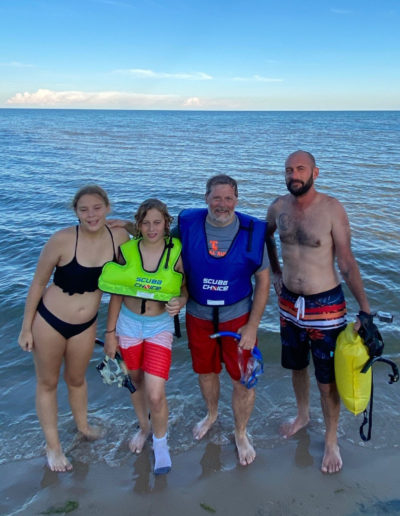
<point x="208" y="54"/>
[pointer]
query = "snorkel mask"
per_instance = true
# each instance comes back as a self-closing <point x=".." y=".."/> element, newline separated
<point x="113" y="370"/>
<point x="255" y="364"/>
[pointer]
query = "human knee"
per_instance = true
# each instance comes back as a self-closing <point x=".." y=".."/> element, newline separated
<point x="47" y="384"/>
<point x="300" y="373"/>
<point x="328" y="390"/>
<point x="240" y="391"/>
<point x="73" y="380"/>
<point x="156" y="400"/>
<point x="137" y="377"/>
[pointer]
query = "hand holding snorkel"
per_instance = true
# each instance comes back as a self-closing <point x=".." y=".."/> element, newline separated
<point x="255" y="364"/>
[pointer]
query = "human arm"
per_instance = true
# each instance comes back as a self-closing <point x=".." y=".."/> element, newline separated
<point x="49" y="257"/>
<point x="272" y="249"/>
<point x="248" y="332"/>
<point x="175" y="304"/>
<point x="121" y="223"/>
<point x="111" y="339"/>
<point x="347" y="264"/>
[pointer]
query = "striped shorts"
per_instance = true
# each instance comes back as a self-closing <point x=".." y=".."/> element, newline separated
<point x="310" y="325"/>
<point x="145" y="342"/>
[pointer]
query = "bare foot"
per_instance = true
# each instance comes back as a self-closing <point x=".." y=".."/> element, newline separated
<point x="57" y="461"/>
<point x="137" y="442"/>
<point x="202" y="427"/>
<point x="91" y="433"/>
<point x="292" y="426"/>
<point x="245" y="450"/>
<point x="332" y="461"/>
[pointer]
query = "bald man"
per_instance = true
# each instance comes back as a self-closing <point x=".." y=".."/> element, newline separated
<point x="314" y="231"/>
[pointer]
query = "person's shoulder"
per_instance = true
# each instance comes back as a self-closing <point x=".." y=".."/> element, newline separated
<point x="329" y="206"/>
<point x="60" y="240"/>
<point x="330" y="202"/>
<point x="278" y="202"/>
<point x="120" y="235"/>
<point x="185" y="212"/>
<point x="63" y="235"/>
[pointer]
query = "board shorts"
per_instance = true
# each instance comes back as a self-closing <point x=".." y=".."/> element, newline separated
<point x="209" y="354"/>
<point x="145" y="342"/>
<point x="311" y="324"/>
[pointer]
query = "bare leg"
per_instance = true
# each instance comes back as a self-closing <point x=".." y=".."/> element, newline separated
<point x="78" y="352"/>
<point x="301" y="386"/>
<point x="139" y="403"/>
<point x="330" y="403"/>
<point x="157" y="401"/>
<point x="48" y="354"/>
<point x="209" y="386"/>
<point x="155" y="394"/>
<point x="243" y="403"/>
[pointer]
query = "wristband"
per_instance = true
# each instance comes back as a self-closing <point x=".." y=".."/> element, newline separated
<point x="110" y="331"/>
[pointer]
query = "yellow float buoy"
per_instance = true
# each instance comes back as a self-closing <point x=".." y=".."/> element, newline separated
<point x="351" y="355"/>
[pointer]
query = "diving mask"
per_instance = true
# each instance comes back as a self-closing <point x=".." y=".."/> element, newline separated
<point x="113" y="370"/>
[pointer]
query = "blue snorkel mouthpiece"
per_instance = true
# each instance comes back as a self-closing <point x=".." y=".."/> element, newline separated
<point x="255" y="364"/>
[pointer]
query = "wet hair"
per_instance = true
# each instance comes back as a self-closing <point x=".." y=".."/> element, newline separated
<point x="90" y="190"/>
<point x="310" y="156"/>
<point x="152" y="204"/>
<point x="222" y="179"/>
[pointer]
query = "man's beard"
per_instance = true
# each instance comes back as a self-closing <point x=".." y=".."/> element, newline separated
<point x="303" y="189"/>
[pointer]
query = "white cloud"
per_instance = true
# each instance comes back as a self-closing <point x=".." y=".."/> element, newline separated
<point x="192" y="102"/>
<point x="150" y="74"/>
<point x="106" y="99"/>
<point x="257" y="78"/>
<point x="45" y="98"/>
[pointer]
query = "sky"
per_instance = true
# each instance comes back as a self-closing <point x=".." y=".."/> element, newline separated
<point x="200" y="54"/>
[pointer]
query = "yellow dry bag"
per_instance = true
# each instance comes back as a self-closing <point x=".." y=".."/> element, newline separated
<point x="351" y="355"/>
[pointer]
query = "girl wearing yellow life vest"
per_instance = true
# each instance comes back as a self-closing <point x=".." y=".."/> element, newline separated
<point x="147" y="292"/>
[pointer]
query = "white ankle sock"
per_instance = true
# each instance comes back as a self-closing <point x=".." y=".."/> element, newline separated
<point x="161" y="454"/>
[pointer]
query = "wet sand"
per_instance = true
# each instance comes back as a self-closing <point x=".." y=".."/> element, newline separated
<point x="283" y="480"/>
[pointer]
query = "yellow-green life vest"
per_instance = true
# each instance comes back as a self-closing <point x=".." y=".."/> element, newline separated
<point x="132" y="280"/>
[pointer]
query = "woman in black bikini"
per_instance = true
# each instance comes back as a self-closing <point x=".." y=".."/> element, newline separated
<point x="60" y="320"/>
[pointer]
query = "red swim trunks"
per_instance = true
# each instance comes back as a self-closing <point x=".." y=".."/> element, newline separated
<point x="208" y="354"/>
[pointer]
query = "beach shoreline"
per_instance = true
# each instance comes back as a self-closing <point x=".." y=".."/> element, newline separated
<point x="283" y="480"/>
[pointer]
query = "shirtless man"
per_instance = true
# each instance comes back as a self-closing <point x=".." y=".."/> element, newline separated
<point x="314" y="230"/>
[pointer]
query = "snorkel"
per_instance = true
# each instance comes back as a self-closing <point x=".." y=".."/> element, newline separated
<point x="255" y="364"/>
<point x="374" y="343"/>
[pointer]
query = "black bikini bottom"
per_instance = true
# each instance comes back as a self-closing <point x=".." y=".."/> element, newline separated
<point x="67" y="330"/>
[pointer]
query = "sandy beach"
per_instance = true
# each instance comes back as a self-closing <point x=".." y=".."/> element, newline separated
<point x="283" y="480"/>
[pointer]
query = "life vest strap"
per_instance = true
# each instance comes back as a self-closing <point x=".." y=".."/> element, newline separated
<point x="250" y="229"/>
<point x="215" y="316"/>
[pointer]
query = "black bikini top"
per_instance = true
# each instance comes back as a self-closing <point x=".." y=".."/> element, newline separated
<point x="74" y="278"/>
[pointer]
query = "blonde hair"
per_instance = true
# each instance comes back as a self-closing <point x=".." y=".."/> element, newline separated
<point x="90" y="190"/>
<point x="152" y="204"/>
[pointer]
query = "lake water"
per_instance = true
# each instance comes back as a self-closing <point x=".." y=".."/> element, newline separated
<point x="46" y="155"/>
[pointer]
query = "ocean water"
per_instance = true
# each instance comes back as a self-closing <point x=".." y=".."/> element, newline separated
<point x="46" y="155"/>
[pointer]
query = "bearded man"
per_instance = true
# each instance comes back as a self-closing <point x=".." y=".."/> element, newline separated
<point x="314" y="232"/>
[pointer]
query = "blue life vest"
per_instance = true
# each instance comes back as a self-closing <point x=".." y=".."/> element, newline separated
<point x="224" y="280"/>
